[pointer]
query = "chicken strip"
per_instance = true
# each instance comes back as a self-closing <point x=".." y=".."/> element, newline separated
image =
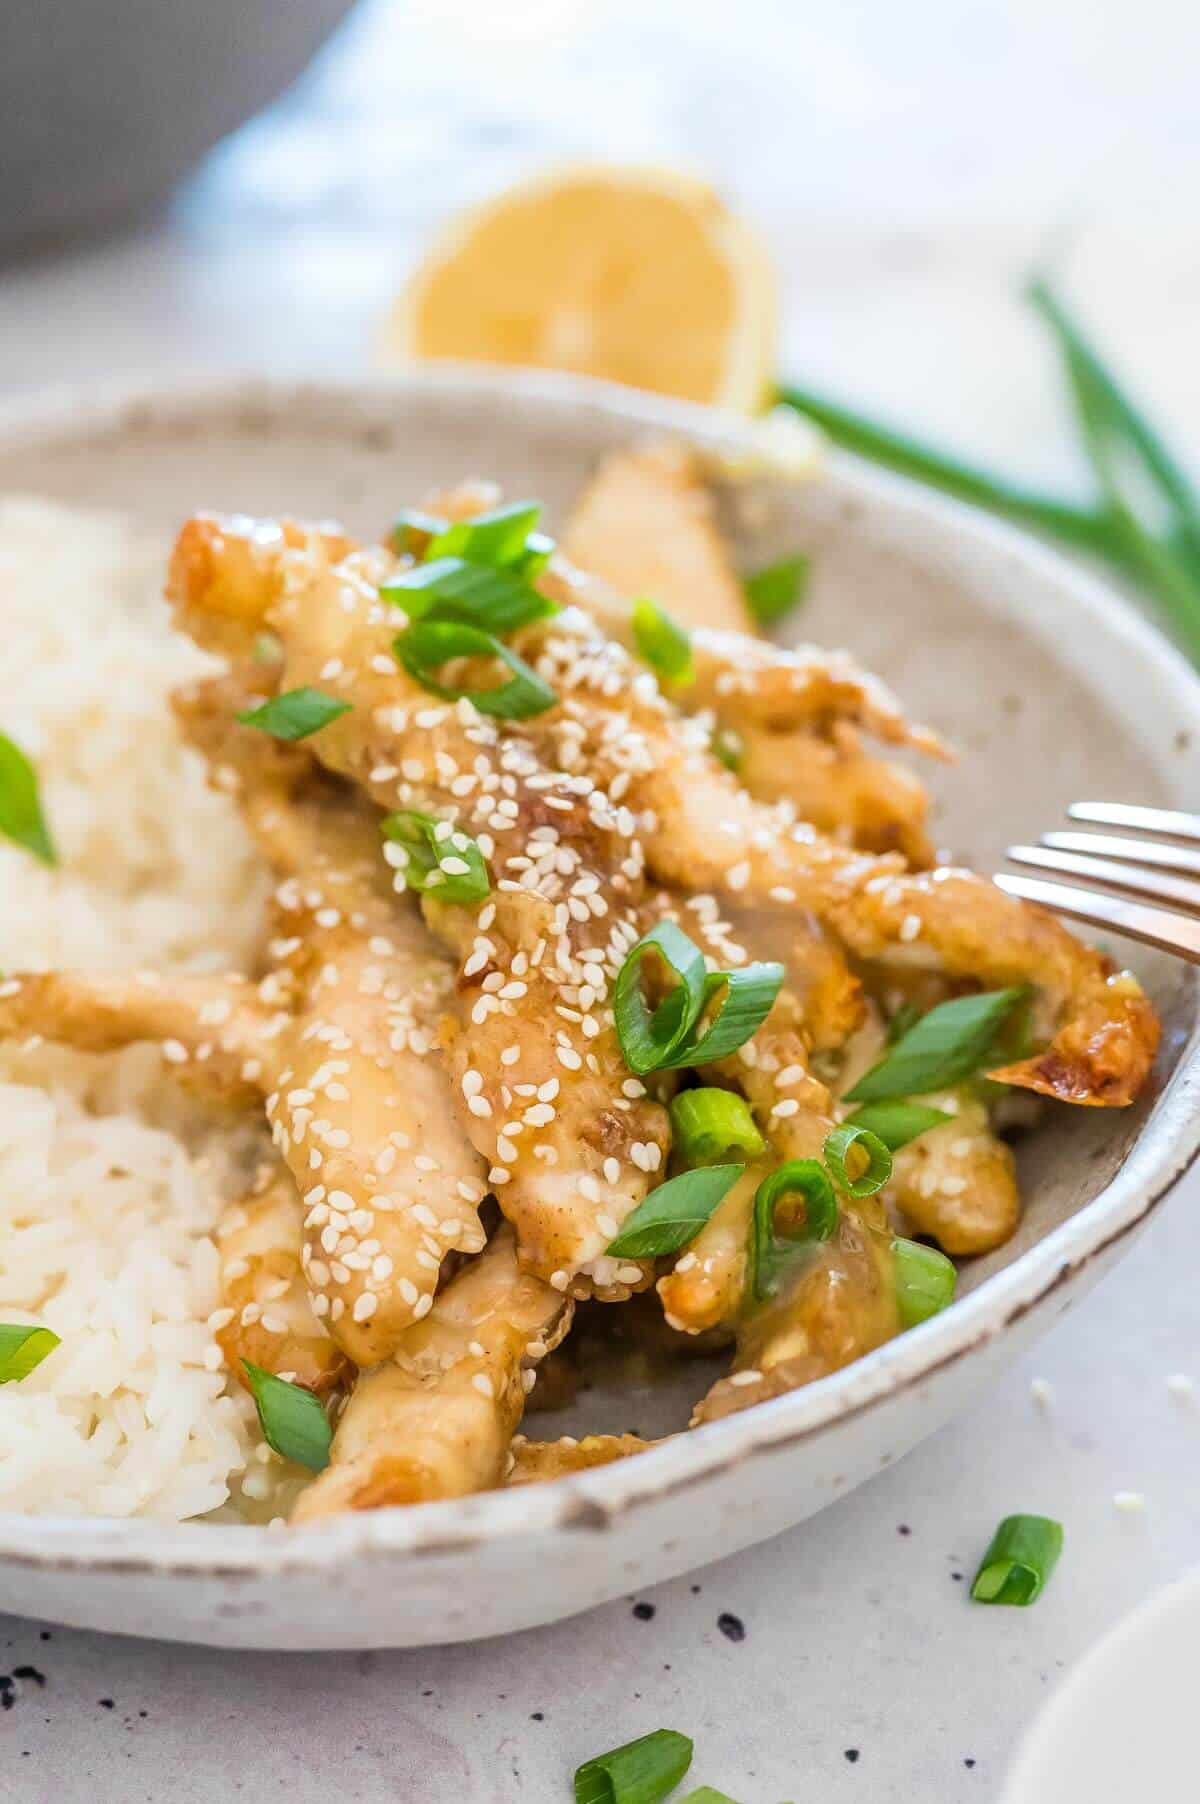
<point x="837" y="787"/>
<point x="839" y="1304"/>
<point x="646" y="525"/>
<point x="1102" y="1032"/>
<point x="266" y="1314"/>
<point x="794" y="1114"/>
<point x="360" y="1102"/>
<point x="217" y="1033"/>
<point x="537" y="1462"/>
<point x="957" y="1183"/>
<point x="437" y="1420"/>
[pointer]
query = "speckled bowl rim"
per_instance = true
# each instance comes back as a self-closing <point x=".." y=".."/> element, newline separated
<point x="1167" y="1145"/>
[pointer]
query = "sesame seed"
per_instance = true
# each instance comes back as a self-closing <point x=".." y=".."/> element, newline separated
<point x="788" y="1106"/>
<point x="910" y="927"/>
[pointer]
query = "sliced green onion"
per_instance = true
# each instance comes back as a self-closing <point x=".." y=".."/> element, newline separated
<point x="1023" y="1553"/>
<point x="497" y="537"/>
<point x="665" y="1040"/>
<point x="711" y="1124"/>
<point x="22" y="1347"/>
<point x="648" y="1038"/>
<point x="878" y="1168"/>
<point x="942" y="470"/>
<point x="292" y="1419"/>
<point x="429" y="644"/>
<point x="948" y="1044"/>
<point x="906" y="1016"/>
<point x="267" y="648"/>
<point x="925" y="1281"/>
<point x="641" y="1772"/>
<point x="673" y="1215"/>
<point x="295" y="715"/>
<point x="21" y="817"/>
<point x="539" y="549"/>
<point x="414" y="528"/>
<point x="775" y="590"/>
<point x="807" y="1179"/>
<point x="450" y="588"/>
<point x="663" y="643"/>
<point x="747" y="998"/>
<point x="727" y="748"/>
<point x="896" y="1123"/>
<point x="441" y="859"/>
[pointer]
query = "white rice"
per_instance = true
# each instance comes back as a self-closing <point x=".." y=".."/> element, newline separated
<point x="110" y="1177"/>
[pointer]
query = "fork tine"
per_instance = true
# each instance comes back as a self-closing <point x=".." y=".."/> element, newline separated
<point x="1152" y="926"/>
<point x="1141" y="820"/>
<point x="1180" y="891"/>
<point x="1136" y="851"/>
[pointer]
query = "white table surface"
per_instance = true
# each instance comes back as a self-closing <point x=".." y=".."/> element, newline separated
<point x="908" y="163"/>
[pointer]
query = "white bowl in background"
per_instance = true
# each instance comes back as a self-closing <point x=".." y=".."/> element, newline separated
<point x="1121" y="1727"/>
<point x="1053" y="688"/>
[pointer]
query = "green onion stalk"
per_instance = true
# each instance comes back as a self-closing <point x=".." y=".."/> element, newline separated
<point x="1128" y="457"/>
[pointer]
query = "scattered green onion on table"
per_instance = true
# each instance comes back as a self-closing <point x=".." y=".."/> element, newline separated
<point x="1023" y="1553"/>
<point x="639" y="1772"/>
<point x="1128" y="456"/>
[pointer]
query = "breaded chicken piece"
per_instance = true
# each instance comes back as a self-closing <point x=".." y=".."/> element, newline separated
<point x="264" y="1291"/>
<point x="839" y="1304"/>
<point x="834" y="784"/>
<point x="958" y="1182"/>
<point x="646" y="525"/>
<point x="436" y="1421"/>
<point x="537" y="1462"/>
<point x="360" y="1102"/>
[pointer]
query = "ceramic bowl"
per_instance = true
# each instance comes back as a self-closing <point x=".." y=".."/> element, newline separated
<point x="1051" y="687"/>
<point x="105" y="105"/>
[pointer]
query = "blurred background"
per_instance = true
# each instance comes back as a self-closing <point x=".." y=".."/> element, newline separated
<point x="905" y="163"/>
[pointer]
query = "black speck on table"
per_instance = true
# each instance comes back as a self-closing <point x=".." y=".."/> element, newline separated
<point x="644" y="1612"/>
<point x="731" y="1626"/>
<point x="851" y="1754"/>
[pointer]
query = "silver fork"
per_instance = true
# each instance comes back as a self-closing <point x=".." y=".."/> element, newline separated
<point x="1164" y="867"/>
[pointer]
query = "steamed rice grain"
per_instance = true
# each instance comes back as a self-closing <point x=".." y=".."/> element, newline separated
<point x="111" y="1178"/>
